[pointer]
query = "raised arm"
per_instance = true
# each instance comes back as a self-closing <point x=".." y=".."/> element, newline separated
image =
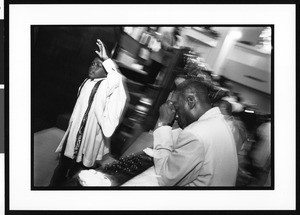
<point x="116" y="96"/>
<point x="113" y="76"/>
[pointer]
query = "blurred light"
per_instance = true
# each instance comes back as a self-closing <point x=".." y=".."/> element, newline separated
<point x="141" y="109"/>
<point x="249" y="111"/>
<point x="93" y="178"/>
<point x="235" y="34"/>
<point x="146" y="101"/>
<point x="264" y="40"/>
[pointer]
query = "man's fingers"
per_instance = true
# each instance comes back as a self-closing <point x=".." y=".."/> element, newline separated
<point x="99" y="41"/>
<point x="166" y="107"/>
<point x="99" y="46"/>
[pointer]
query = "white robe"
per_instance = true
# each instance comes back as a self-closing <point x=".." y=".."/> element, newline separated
<point x="103" y="118"/>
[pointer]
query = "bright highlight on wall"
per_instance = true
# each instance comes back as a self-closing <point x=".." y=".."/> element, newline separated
<point x="235" y="34"/>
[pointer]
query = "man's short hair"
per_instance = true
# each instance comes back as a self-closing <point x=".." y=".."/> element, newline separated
<point x="197" y="86"/>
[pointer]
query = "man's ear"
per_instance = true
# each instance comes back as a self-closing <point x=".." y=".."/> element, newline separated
<point x="191" y="101"/>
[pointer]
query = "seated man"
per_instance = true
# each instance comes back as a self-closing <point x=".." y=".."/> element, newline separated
<point x="204" y="153"/>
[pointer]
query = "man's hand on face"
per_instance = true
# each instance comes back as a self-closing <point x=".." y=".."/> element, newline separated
<point x="102" y="52"/>
<point x="167" y="113"/>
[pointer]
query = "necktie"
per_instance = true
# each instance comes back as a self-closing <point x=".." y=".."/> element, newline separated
<point x="84" y="119"/>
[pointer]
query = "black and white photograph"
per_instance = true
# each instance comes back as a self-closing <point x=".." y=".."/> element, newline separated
<point x="175" y="106"/>
<point x="107" y="107"/>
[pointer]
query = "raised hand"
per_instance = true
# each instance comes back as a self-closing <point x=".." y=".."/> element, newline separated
<point x="167" y="113"/>
<point x="102" y="51"/>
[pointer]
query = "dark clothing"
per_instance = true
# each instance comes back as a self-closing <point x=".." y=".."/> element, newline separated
<point x="65" y="170"/>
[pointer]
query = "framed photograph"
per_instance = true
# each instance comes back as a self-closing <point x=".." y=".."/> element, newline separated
<point x="50" y="55"/>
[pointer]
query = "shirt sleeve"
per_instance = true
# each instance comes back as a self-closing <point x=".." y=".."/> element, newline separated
<point x="115" y="100"/>
<point x="113" y="76"/>
<point x="177" y="163"/>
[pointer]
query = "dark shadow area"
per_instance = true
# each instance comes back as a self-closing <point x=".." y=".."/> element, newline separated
<point x="60" y="60"/>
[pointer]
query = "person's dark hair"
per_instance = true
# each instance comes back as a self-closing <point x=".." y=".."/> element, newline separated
<point x="199" y="87"/>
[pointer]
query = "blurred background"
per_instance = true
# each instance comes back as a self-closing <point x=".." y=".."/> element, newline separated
<point x="234" y="60"/>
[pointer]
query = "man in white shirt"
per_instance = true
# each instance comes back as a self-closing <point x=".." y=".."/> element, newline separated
<point x="97" y="112"/>
<point x="204" y="153"/>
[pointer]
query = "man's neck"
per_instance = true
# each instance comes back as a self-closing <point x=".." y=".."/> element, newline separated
<point x="203" y="110"/>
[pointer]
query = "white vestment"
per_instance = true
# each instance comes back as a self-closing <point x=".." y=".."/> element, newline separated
<point x="103" y="118"/>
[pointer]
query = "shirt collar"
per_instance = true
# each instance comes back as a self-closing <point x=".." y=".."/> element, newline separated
<point x="213" y="112"/>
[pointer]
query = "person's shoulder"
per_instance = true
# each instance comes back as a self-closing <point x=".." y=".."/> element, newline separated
<point x="200" y="124"/>
<point x="191" y="136"/>
<point x="205" y="127"/>
<point x="193" y="130"/>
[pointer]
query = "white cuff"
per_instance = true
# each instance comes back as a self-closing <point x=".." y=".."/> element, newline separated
<point x="109" y="65"/>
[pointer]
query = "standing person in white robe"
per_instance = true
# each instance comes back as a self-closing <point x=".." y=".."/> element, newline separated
<point x="97" y="112"/>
